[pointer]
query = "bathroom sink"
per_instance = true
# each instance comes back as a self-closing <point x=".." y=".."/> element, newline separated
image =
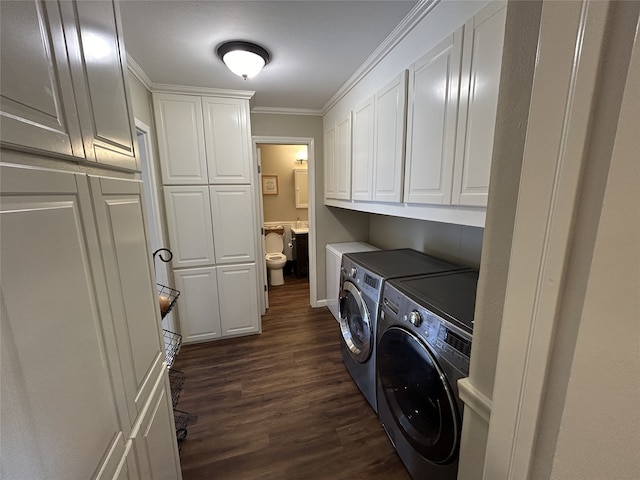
<point x="300" y="230"/>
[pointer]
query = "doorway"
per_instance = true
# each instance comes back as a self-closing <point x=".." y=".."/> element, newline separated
<point x="278" y="159"/>
<point x="152" y="205"/>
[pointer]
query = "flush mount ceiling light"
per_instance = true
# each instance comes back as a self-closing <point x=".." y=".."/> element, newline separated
<point x="245" y="59"/>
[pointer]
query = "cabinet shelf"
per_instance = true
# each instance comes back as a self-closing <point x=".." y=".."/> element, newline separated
<point x="172" y="342"/>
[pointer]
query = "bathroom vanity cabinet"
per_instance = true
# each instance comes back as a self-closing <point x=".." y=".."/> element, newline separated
<point x="300" y="253"/>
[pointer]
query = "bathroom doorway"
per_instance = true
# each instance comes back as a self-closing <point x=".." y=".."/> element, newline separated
<point x="285" y="200"/>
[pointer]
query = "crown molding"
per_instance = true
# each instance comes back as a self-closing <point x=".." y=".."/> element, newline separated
<point x="214" y="92"/>
<point x="137" y="72"/>
<point x="286" y="111"/>
<point x="413" y="18"/>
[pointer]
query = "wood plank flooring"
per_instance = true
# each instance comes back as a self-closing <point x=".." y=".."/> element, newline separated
<point x="280" y="405"/>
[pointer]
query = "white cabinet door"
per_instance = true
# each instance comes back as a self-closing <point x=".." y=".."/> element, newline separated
<point x="180" y="139"/>
<point x="301" y="184"/>
<point x="60" y="383"/>
<point x="363" y="151"/>
<point x="237" y="288"/>
<point x="227" y="139"/>
<point x="391" y="109"/>
<point x="480" y="81"/>
<point x="233" y="221"/>
<point x="330" y="163"/>
<point x="99" y="73"/>
<point x="198" y="309"/>
<point x="189" y="225"/>
<point x="37" y="102"/>
<point x="342" y="157"/>
<point x="155" y="442"/>
<point x="130" y="281"/>
<point x="431" y="128"/>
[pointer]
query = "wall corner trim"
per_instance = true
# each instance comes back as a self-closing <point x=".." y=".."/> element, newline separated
<point x="474" y="399"/>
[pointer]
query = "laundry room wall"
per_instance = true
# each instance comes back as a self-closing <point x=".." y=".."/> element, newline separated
<point x="280" y="160"/>
<point x="457" y="243"/>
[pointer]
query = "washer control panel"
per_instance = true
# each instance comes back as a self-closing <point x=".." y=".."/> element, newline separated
<point x="445" y="339"/>
<point x="366" y="281"/>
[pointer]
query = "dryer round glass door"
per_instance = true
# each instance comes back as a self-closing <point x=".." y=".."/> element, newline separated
<point x="418" y="395"/>
<point x="355" y="323"/>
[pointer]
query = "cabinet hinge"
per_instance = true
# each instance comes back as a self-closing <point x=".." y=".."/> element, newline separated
<point x="258" y="168"/>
<point x="265" y="288"/>
<point x="261" y="231"/>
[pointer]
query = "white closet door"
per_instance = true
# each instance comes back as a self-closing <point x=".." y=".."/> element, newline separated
<point x="227" y="139"/>
<point x="60" y="385"/>
<point x="480" y="82"/>
<point x="233" y="223"/>
<point x="431" y="130"/>
<point x="238" y="299"/>
<point x="198" y="310"/>
<point x="37" y="102"/>
<point x="391" y="109"/>
<point x="180" y="139"/>
<point x="189" y="225"/>
<point x="363" y="151"/>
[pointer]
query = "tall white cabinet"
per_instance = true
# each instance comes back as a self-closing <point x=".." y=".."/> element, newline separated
<point x="84" y="385"/>
<point x="207" y="172"/>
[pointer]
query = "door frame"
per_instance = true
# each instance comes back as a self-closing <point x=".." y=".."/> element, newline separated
<point x="309" y="142"/>
<point x="155" y="222"/>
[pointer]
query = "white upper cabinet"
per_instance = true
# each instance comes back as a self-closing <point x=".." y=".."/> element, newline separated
<point x="189" y="225"/>
<point x="343" y="157"/>
<point x="390" y="115"/>
<point x="330" y="162"/>
<point x="363" y="151"/>
<point x="38" y="109"/>
<point x="179" y="121"/>
<point x="227" y="140"/>
<point x="53" y="98"/>
<point x="98" y="65"/>
<point x="431" y="128"/>
<point x="337" y="166"/>
<point x="480" y="82"/>
<point x="233" y="220"/>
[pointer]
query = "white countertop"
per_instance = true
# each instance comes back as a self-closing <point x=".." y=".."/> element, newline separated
<point x="299" y="230"/>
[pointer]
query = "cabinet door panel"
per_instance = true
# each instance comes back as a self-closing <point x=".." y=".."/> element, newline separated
<point x="482" y="62"/>
<point x="227" y="139"/>
<point x="363" y="151"/>
<point x="234" y="226"/>
<point x="330" y="163"/>
<point x="390" y="107"/>
<point x="38" y="110"/>
<point x="60" y="415"/>
<point x="180" y="139"/>
<point x="155" y="442"/>
<point x="433" y="103"/>
<point x="343" y="158"/>
<point x="98" y="66"/>
<point x="198" y="309"/>
<point x="189" y="224"/>
<point x="123" y="237"/>
<point x="237" y="287"/>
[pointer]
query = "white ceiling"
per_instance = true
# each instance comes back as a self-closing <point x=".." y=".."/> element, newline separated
<point x="316" y="46"/>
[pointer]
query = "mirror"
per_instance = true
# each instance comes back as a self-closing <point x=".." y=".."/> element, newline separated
<point x="300" y="183"/>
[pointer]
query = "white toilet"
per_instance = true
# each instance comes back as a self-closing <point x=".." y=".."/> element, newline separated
<point x="276" y="260"/>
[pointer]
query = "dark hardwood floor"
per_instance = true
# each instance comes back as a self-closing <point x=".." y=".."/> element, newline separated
<point x="280" y="405"/>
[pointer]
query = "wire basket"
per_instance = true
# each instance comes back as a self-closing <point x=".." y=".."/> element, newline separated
<point x="181" y="422"/>
<point x="172" y="342"/>
<point x="176" y="382"/>
<point x="170" y="296"/>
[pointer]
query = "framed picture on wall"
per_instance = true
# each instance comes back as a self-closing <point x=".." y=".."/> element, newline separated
<point x="269" y="184"/>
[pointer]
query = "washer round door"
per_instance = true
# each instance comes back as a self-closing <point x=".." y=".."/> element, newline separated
<point x="418" y="395"/>
<point x="355" y="323"/>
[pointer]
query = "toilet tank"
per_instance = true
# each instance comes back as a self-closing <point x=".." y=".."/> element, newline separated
<point x="334" y="252"/>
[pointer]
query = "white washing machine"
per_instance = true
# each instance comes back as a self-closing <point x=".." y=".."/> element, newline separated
<point x="333" y="254"/>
